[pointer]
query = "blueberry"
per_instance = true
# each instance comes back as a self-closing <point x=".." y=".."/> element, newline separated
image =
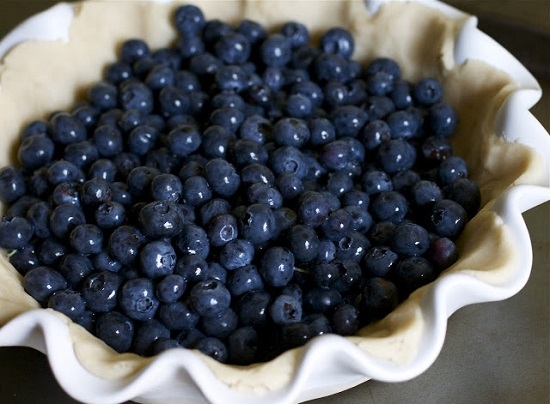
<point x="15" y="232"/>
<point x="81" y="154"/>
<point x="448" y="218"/>
<point x="257" y="173"/>
<point x="298" y="106"/>
<point x="136" y="95"/>
<point x="216" y="140"/>
<point x="389" y="206"/>
<point x="264" y="194"/>
<point x="379" y="260"/>
<point x="189" y="45"/>
<point x="412" y="273"/>
<point x="183" y="140"/>
<point x="214" y="348"/>
<point x="189" y="19"/>
<point x="178" y="316"/>
<point x="285" y="309"/>
<point x="321" y="300"/>
<point x="338" y="41"/>
<point x="378" y="298"/>
<point x="352" y="246"/>
<point x="209" y="298"/>
<point x="303" y="242"/>
<point x="242" y="345"/>
<point x="436" y="149"/>
<point x="297" y="33"/>
<point x="410" y="239"/>
<point x="227" y="117"/>
<point x="164" y="344"/>
<point x="322" y="131"/>
<point x="310" y="90"/>
<point x="63" y="171"/>
<point x="335" y="94"/>
<point x="236" y="254"/>
<point x="344" y="319"/>
<point x="24" y="259"/>
<point x="245" y="279"/>
<point x="452" y="169"/>
<point x="157" y="259"/>
<point x="220" y="326"/>
<point x="466" y="193"/>
<point x="330" y="67"/>
<point x="252" y="308"/>
<point x="425" y="193"/>
<point x="86" y="239"/>
<point x="104" y="262"/>
<point x="348" y="120"/>
<point x="21" y="207"/>
<point x="276" y="50"/>
<point x="100" y="290"/>
<point x="35" y="151"/>
<point x="204" y="64"/>
<point x="386" y="65"/>
<point x="314" y="209"/>
<point x="403" y="181"/>
<point x="232" y="49"/>
<point x="289" y="186"/>
<point x="160" y="219"/>
<point x="117" y="72"/>
<point x="441" y="120"/>
<point x="124" y="244"/>
<point x="147" y="334"/>
<point x="277" y="266"/>
<point x="192" y="267"/>
<point x="116" y="330"/>
<point x="326" y="251"/>
<point x="231" y="78"/>
<point x="257" y="223"/>
<point x="213" y="208"/>
<point x="196" y="191"/>
<point x="193" y="240"/>
<point x="335" y="155"/>
<point x="102" y="168"/>
<point x="402" y="94"/>
<point x="288" y="159"/>
<point x="64" y="218"/>
<point x="244" y="152"/>
<point x="65" y="128"/>
<point x="68" y="302"/>
<point x="380" y="83"/>
<point x="442" y="253"/>
<point x="133" y="50"/>
<point x="42" y="282"/>
<point x="403" y="124"/>
<point x="285" y="218"/>
<point x="36" y="127"/>
<point x="51" y="250"/>
<point x="170" y="288"/>
<point x="110" y="215"/>
<point x="222" y="229"/>
<point x="337" y="225"/>
<point x="396" y="155"/>
<point x="356" y="198"/>
<point x="428" y="91"/>
<point x="339" y="183"/>
<point x="222" y="177"/>
<point x="137" y="299"/>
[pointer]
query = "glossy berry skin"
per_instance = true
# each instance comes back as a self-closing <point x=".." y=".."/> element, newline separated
<point x="170" y="288"/>
<point x="288" y="159"/>
<point x="386" y="65"/>
<point x="100" y="291"/>
<point x="222" y="229"/>
<point x="465" y="192"/>
<point x="64" y="129"/>
<point x="146" y="334"/>
<point x="63" y="171"/>
<point x="95" y="192"/>
<point x="410" y="240"/>
<point x="232" y="49"/>
<point x="236" y="253"/>
<point x="166" y="187"/>
<point x="15" y="232"/>
<point x="277" y="266"/>
<point x="396" y="155"/>
<point x="157" y="259"/>
<point x="412" y="273"/>
<point x="222" y="177"/>
<point x="378" y="298"/>
<point x="124" y="244"/>
<point x="314" y="209"/>
<point x="338" y="41"/>
<point x="135" y="95"/>
<point x="35" y="151"/>
<point x="441" y="120"/>
<point x="41" y="282"/>
<point x="452" y="169"/>
<point x="178" y="316"/>
<point x="189" y="19"/>
<point x="303" y="242"/>
<point x="257" y="223"/>
<point x="425" y="193"/>
<point x="209" y="298"/>
<point x="110" y="215"/>
<point x="64" y="218"/>
<point x="285" y="309"/>
<point x="389" y="206"/>
<point x="428" y="91"/>
<point x="321" y="300"/>
<point x="116" y="330"/>
<point x="291" y="132"/>
<point x="344" y="319"/>
<point x="193" y="240"/>
<point x="160" y="219"/>
<point x="137" y="299"/>
<point x="448" y="218"/>
<point x="375" y="182"/>
<point x="67" y="302"/>
<point x="103" y="262"/>
<point x="244" y="279"/>
<point x="86" y="239"/>
<point x="348" y="120"/>
<point x="195" y="191"/>
<point x="214" y="348"/>
<point x="379" y="260"/>
<point x="242" y="345"/>
<point x="276" y="50"/>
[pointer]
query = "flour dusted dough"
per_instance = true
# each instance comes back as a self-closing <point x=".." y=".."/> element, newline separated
<point x="37" y="78"/>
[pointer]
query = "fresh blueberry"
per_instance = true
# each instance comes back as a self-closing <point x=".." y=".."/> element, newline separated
<point x="227" y="117"/>
<point x="15" y="232"/>
<point x="214" y="348"/>
<point x="35" y="151"/>
<point x="100" y="290"/>
<point x="442" y="253"/>
<point x="68" y="302"/>
<point x="403" y="124"/>
<point x="102" y="168"/>
<point x="285" y="309"/>
<point x="116" y="330"/>
<point x="196" y="191"/>
<point x="386" y="65"/>
<point x="178" y="315"/>
<point x="133" y="50"/>
<point x="81" y="154"/>
<point x="216" y="140"/>
<point x="24" y="259"/>
<point x="322" y="131"/>
<point x="110" y="215"/>
<point x="136" y="95"/>
<point x="352" y="246"/>
<point x="321" y="300"/>
<point x="232" y="49"/>
<point x="402" y="94"/>
<point x="289" y="186"/>
<point x="448" y="218"/>
<point x="231" y="78"/>
<point x="330" y="67"/>
<point x="265" y="194"/>
<point x="183" y="140"/>
<point x="50" y="251"/>
<point x="86" y="239"/>
<point x="213" y="208"/>
<point x="104" y="262"/>
<point x="277" y="266"/>
<point x="244" y="279"/>
<point x="465" y="192"/>
<point x="170" y="288"/>
<point x="344" y="319"/>
<point x="338" y="41"/>
<point x="252" y="30"/>
<point x="337" y="225"/>
<point x="288" y="159"/>
<point x="189" y="19"/>
<point x="65" y="128"/>
<point x="124" y="244"/>
<point x="209" y="298"/>
<point x="452" y="169"/>
<point x="314" y="209"/>
<point x="425" y="193"/>
<point x="242" y="345"/>
<point x="222" y="229"/>
<point x="42" y="282"/>
<point x="189" y="45"/>
<point x="378" y="298"/>
<point x="257" y="223"/>
<point x="389" y="206"/>
<point x="339" y="183"/>
<point x="244" y="152"/>
<point x="396" y="155"/>
<point x="137" y="299"/>
<point x="147" y="333"/>
<point x="403" y="181"/>
<point x="428" y="91"/>
<point x="193" y="240"/>
<point x="222" y="177"/>
<point x="298" y="106"/>
<point x="62" y="171"/>
<point x="410" y="240"/>
<point x="285" y="218"/>
<point x="157" y="259"/>
<point x="412" y="273"/>
<point x="236" y="254"/>
<point x="379" y="260"/>
<point x="257" y="173"/>
<point x="276" y="50"/>
<point x="64" y="218"/>
<point x="160" y="219"/>
<point x="192" y="267"/>
<point x="252" y="308"/>
<point x="441" y="120"/>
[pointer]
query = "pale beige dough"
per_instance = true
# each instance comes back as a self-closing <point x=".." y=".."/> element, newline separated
<point x="38" y="78"/>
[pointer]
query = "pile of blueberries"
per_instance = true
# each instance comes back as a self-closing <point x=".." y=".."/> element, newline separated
<point x="239" y="193"/>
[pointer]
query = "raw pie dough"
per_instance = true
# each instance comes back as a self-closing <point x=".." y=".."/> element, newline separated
<point x="37" y="78"/>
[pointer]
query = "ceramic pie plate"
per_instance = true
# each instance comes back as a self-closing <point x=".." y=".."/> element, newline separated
<point x="506" y="148"/>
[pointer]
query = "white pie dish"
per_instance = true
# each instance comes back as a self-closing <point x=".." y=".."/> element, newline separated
<point x="328" y="364"/>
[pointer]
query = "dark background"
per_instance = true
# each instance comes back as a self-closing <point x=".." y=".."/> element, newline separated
<point x="494" y="352"/>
